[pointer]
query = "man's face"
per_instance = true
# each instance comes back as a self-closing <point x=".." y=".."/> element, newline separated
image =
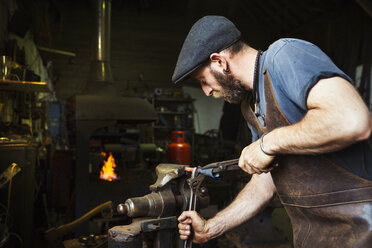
<point x="217" y="84"/>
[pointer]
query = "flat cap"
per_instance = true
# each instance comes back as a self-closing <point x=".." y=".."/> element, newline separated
<point x="208" y="35"/>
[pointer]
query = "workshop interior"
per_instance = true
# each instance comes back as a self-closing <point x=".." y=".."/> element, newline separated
<point x="98" y="148"/>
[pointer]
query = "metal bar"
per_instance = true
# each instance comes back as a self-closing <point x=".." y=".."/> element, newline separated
<point x="8" y="174"/>
<point x="51" y="50"/>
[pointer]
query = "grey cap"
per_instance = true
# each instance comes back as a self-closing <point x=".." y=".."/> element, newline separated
<point x="208" y="35"/>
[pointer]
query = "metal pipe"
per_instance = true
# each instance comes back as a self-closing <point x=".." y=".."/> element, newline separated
<point x="100" y="68"/>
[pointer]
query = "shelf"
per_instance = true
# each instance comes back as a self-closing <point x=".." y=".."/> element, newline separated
<point x="172" y="128"/>
<point x="162" y="127"/>
<point x="23" y="85"/>
<point x="173" y="113"/>
<point x="170" y="99"/>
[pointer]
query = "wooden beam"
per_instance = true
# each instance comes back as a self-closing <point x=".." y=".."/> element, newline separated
<point x="319" y="20"/>
<point x="261" y="16"/>
<point x="366" y="5"/>
<point x="270" y="15"/>
<point x="283" y="10"/>
<point x="250" y="12"/>
<point x="231" y="11"/>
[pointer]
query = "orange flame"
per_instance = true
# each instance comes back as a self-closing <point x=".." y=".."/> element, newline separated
<point x="107" y="172"/>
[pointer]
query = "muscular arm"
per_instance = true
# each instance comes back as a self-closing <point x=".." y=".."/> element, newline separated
<point x="254" y="196"/>
<point x="337" y="117"/>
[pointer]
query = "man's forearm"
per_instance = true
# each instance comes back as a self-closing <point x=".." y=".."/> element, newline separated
<point x="308" y="137"/>
<point x="254" y="196"/>
<point x="305" y="137"/>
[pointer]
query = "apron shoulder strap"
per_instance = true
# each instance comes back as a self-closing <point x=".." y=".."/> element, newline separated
<point x="250" y="117"/>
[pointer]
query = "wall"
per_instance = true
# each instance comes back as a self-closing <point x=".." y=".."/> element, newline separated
<point x="145" y="43"/>
<point x="4" y="12"/>
<point x="358" y="79"/>
<point x="7" y="7"/>
<point x="208" y="110"/>
<point x="144" y="48"/>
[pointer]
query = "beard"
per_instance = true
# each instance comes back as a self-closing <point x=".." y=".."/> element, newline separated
<point x="232" y="89"/>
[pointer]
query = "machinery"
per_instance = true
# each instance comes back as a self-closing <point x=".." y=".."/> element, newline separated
<point x="155" y="215"/>
<point x="177" y="188"/>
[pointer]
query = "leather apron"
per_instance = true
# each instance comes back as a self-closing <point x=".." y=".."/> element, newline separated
<point x="327" y="205"/>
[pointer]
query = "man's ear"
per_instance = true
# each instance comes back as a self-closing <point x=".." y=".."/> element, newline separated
<point x="218" y="59"/>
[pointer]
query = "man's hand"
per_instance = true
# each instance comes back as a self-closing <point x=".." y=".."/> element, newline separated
<point x="198" y="226"/>
<point x="253" y="160"/>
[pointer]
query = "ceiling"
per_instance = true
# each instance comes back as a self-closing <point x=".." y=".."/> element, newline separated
<point x="148" y="34"/>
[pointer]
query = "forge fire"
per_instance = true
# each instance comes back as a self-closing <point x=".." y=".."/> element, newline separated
<point x="108" y="169"/>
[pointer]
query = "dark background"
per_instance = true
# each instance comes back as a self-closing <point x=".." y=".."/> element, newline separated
<point x="146" y="36"/>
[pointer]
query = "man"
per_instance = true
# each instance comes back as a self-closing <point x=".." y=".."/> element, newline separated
<point x="308" y="119"/>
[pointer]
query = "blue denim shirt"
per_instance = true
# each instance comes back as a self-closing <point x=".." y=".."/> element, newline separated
<point x="294" y="67"/>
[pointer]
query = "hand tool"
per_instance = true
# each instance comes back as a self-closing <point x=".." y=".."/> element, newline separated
<point x="197" y="177"/>
<point x="194" y="183"/>
<point x="213" y="170"/>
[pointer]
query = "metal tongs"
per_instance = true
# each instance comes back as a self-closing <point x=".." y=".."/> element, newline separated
<point x="194" y="183"/>
<point x="197" y="176"/>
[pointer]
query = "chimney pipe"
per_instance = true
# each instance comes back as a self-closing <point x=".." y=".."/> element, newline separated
<point x="100" y="79"/>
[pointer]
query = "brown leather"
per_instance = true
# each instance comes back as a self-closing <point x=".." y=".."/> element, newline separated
<point x="328" y="206"/>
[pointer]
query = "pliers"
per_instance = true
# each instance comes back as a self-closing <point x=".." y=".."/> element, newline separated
<point x="197" y="176"/>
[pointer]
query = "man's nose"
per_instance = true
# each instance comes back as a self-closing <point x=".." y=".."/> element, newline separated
<point x="207" y="90"/>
